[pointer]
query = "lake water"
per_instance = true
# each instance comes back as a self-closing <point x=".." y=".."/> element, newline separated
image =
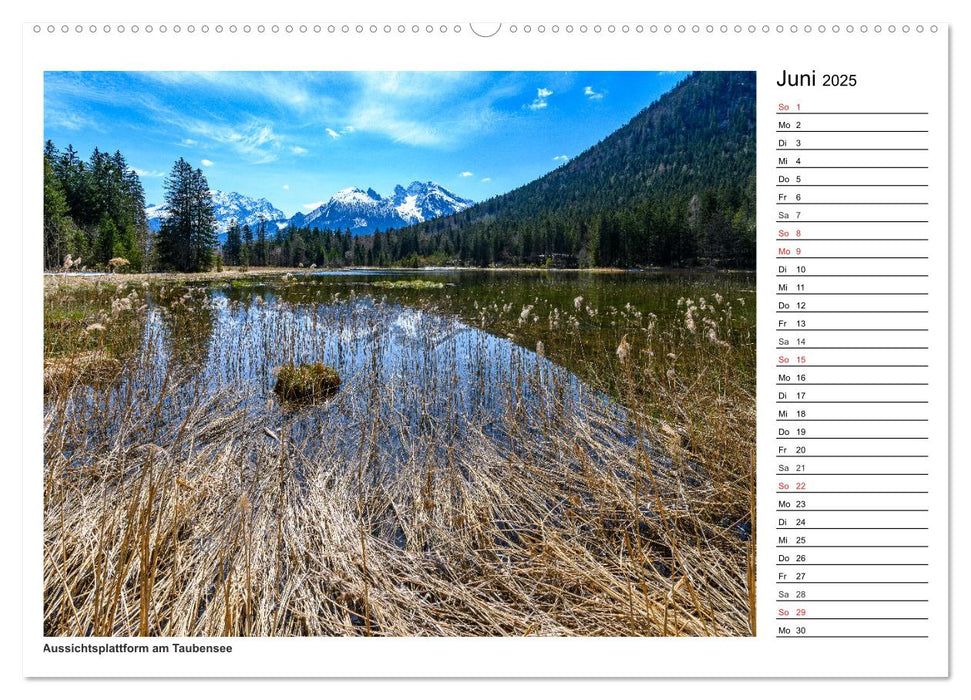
<point x="438" y="361"/>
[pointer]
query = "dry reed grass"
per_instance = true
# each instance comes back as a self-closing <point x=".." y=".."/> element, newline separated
<point x="175" y="510"/>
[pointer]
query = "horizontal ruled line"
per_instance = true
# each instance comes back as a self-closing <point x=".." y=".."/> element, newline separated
<point x="852" y="114"/>
<point x="858" y="185"/>
<point x="852" y="311"/>
<point x="853" y="330"/>
<point x="851" y="257"/>
<point x="852" y="167"/>
<point x="851" y="221"/>
<point x="801" y="148"/>
<point x="858" y="492"/>
<point x="846" y="240"/>
<point x="851" y="204"/>
<point x="804" y="456"/>
<point x="839" y="420"/>
<point x="852" y="384"/>
<point x="800" y="618"/>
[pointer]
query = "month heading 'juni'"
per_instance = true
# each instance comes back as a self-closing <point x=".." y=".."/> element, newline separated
<point x="809" y="79"/>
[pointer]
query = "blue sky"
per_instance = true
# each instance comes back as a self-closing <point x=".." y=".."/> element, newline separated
<point x="297" y="138"/>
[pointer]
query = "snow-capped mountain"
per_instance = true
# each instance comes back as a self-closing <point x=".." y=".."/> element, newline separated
<point x="246" y="210"/>
<point x="363" y="211"/>
<point x="228" y="206"/>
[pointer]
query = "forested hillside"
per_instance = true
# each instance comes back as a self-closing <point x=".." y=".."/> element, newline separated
<point x="675" y="186"/>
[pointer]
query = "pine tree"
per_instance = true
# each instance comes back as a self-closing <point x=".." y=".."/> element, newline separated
<point x="202" y="238"/>
<point x="246" y="253"/>
<point x="58" y="228"/>
<point x="233" y="244"/>
<point x="188" y="234"/>
<point x="262" y="248"/>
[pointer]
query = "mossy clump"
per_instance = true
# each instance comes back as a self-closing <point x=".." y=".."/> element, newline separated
<point x="306" y="383"/>
<point x="408" y="284"/>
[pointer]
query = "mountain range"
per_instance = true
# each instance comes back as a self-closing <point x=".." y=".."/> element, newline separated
<point x="364" y="211"/>
<point x="360" y="211"/>
<point x="228" y="206"/>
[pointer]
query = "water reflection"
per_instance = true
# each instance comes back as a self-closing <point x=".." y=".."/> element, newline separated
<point x="415" y="371"/>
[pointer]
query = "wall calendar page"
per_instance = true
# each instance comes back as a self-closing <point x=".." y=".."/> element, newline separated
<point x="445" y="348"/>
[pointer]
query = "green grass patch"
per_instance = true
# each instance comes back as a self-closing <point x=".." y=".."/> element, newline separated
<point x="408" y="284"/>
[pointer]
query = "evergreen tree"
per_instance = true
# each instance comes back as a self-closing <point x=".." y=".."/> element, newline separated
<point x="188" y="233"/>
<point x="59" y="230"/>
<point x="202" y="239"/>
<point x="233" y="245"/>
<point x="262" y="247"/>
<point x="105" y="208"/>
<point x="246" y="255"/>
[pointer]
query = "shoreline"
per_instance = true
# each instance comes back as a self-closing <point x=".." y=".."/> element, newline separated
<point x="52" y="278"/>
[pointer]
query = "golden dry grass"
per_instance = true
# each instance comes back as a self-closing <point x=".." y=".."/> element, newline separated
<point x="173" y="511"/>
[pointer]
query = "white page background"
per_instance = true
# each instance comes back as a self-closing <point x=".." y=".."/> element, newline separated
<point x="450" y="12"/>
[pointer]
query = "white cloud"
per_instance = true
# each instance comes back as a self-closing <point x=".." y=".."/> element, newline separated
<point x="593" y="94"/>
<point x="384" y="119"/>
<point x="188" y="142"/>
<point x="290" y="90"/>
<point x="206" y="162"/>
<point x="540" y="101"/>
<point x="431" y="109"/>
<point x="466" y="174"/>
<point x="148" y="173"/>
<point x="298" y="150"/>
<point x="335" y="134"/>
<point x="68" y="120"/>
<point x="561" y="159"/>
<point x="487" y="179"/>
<point x="413" y="84"/>
<point x="286" y="187"/>
<point x="255" y="140"/>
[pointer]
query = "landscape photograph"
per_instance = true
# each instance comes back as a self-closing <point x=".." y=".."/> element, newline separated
<point x="399" y="354"/>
